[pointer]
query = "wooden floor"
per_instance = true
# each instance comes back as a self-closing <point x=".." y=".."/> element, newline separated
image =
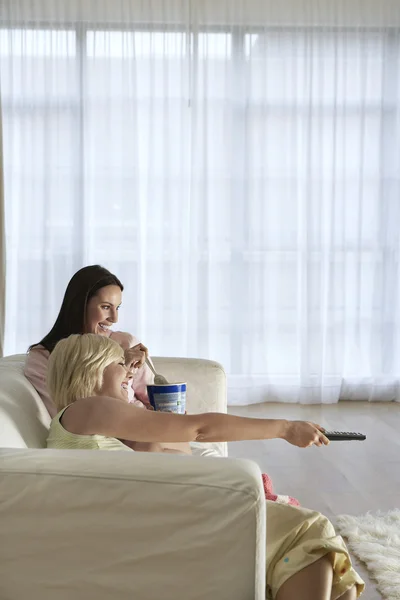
<point x="343" y="478"/>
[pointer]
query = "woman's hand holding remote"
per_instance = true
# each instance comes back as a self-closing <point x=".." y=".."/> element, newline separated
<point x="304" y="434"/>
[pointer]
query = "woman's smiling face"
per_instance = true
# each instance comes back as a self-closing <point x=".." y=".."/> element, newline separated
<point x="102" y="310"/>
<point x="115" y="380"/>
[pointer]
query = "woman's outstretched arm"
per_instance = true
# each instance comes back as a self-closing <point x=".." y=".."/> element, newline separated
<point x="115" y="418"/>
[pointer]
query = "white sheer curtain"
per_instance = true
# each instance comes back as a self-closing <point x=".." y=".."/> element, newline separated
<point x="235" y="163"/>
<point x="2" y="247"/>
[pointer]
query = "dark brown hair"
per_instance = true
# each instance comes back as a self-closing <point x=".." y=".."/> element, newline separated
<point x="71" y="318"/>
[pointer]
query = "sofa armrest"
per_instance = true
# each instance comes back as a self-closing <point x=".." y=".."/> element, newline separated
<point x="103" y="525"/>
<point x="206" y="386"/>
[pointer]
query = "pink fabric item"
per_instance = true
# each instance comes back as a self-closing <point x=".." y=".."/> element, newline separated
<point x="269" y="493"/>
<point x="35" y="371"/>
<point x="36" y="368"/>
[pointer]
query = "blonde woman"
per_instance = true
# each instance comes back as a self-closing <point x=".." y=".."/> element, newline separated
<point x="88" y="379"/>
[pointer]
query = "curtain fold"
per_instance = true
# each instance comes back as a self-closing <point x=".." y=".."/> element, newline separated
<point x="235" y="163"/>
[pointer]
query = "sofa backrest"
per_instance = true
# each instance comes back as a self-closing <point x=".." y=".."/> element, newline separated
<point x="24" y="420"/>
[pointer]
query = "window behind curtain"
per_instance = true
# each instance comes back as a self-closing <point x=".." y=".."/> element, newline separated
<point x="119" y="142"/>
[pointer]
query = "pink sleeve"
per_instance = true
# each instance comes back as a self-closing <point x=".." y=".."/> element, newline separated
<point x="35" y="371"/>
<point x="126" y="340"/>
<point x="143" y="376"/>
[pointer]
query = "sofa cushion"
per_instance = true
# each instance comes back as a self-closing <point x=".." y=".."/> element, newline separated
<point x="24" y="420"/>
<point x="130" y="525"/>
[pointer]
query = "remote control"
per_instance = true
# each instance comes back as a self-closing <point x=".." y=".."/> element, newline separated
<point x="335" y="436"/>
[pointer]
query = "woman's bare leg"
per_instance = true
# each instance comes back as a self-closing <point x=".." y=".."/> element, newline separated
<point x="312" y="583"/>
<point x="350" y="594"/>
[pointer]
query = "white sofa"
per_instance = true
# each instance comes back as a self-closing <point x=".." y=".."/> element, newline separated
<point x="116" y="526"/>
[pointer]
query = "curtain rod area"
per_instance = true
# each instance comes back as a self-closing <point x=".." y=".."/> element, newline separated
<point x="317" y="13"/>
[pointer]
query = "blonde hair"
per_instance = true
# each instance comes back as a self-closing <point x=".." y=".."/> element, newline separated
<point x="76" y="366"/>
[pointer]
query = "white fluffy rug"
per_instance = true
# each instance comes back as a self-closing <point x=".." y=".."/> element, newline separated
<point x="375" y="539"/>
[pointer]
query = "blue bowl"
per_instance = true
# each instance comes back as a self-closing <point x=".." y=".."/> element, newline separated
<point x="169" y="397"/>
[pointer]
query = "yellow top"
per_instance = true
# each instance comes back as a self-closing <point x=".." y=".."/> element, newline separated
<point x="62" y="439"/>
